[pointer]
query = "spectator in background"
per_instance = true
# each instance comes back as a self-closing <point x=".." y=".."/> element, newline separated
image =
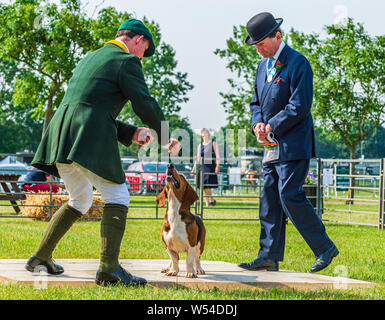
<point x="208" y="151"/>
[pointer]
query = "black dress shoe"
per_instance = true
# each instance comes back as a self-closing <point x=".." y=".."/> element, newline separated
<point x="324" y="259"/>
<point x="119" y="276"/>
<point x="260" y="264"/>
<point x="34" y="264"/>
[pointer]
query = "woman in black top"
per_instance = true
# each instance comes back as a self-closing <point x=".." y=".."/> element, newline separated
<point x="208" y="150"/>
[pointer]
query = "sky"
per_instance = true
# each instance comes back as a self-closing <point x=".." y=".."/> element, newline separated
<point x="195" y="28"/>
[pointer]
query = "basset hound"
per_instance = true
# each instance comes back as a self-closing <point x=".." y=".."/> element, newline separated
<point x="181" y="230"/>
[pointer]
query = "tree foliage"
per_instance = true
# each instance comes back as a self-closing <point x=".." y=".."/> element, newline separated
<point x="46" y="41"/>
<point x="349" y="83"/>
<point x="18" y="130"/>
<point x="371" y="148"/>
<point x="46" y="44"/>
<point x="349" y="80"/>
<point x="242" y="60"/>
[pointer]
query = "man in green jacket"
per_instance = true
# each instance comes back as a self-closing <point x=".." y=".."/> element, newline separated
<point x="80" y="145"/>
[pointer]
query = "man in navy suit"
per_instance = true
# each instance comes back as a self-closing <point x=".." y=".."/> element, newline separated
<point x="281" y="104"/>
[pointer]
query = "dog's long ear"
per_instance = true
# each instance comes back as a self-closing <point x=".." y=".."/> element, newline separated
<point x="190" y="196"/>
<point x="161" y="198"/>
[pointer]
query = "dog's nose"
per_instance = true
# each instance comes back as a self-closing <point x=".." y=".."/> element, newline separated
<point x="170" y="166"/>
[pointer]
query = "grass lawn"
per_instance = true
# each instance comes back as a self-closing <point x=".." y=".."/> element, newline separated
<point x="361" y="253"/>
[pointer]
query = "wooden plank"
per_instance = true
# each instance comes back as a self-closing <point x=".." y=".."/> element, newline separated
<point x="13" y="202"/>
<point x="11" y="179"/>
<point x="222" y="275"/>
<point x="15" y="188"/>
<point x="13" y="197"/>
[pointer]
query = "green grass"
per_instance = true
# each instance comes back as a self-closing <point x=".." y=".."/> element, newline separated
<point x="364" y="210"/>
<point x="361" y="253"/>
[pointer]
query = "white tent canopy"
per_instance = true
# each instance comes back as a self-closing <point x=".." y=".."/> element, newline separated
<point x="10" y="160"/>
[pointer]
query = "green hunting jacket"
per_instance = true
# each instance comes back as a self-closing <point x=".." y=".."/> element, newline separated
<point x="84" y="128"/>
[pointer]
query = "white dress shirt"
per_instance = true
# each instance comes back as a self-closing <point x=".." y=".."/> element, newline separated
<point x="123" y="44"/>
<point x="276" y="55"/>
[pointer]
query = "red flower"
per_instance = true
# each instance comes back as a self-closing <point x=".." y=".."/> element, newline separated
<point x="279" y="64"/>
<point x="279" y="80"/>
<point x="40" y="187"/>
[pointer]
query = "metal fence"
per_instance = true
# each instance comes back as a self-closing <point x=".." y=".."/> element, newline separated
<point x="343" y="191"/>
<point x="351" y="191"/>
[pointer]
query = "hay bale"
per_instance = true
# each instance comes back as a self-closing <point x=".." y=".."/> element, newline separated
<point x="37" y="205"/>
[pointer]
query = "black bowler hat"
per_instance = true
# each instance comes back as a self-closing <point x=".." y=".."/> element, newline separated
<point x="260" y="26"/>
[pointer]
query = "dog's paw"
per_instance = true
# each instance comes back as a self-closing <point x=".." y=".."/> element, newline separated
<point x="200" y="271"/>
<point x="191" y="275"/>
<point x="164" y="270"/>
<point x="172" y="273"/>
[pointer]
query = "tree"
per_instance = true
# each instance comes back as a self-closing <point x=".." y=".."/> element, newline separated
<point x="46" y="44"/>
<point x="373" y="146"/>
<point x="242" y="60"/>
<point x="47" y="41"/>
<point x="328" y="147"/>
<point x="349" y="82"/>
<point x="18" y="131"/>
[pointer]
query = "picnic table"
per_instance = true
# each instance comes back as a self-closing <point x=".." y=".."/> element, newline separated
<point x="11" y="191"/>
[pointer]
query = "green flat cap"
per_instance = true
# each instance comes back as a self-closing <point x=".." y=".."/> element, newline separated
<point x="138" y="27"/>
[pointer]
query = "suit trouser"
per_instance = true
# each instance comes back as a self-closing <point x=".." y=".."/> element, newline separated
<point x="283" y="195"/>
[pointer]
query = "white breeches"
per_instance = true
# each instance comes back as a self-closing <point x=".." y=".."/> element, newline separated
<point x="79" y="183"/>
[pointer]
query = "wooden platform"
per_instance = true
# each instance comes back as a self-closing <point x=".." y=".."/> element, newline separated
<point x="222" y="275"/>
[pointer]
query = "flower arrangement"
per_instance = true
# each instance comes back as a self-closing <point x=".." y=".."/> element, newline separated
<point x="310" y="178"/>
<point x="279" y="65"/>
<point x="40" y="187"/>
